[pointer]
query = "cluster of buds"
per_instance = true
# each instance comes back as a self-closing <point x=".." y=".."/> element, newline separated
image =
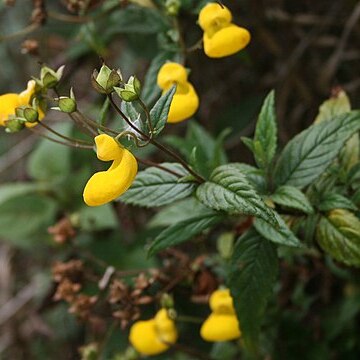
<point x="23" y="114"/>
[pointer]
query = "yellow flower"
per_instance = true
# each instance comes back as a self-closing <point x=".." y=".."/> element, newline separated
<point x="221" y="37"/>
<point x="154" y="336"/>
<point x="222" y="324"/>
<point x="9" y="102"/>
<point x="185" y="101"/>
<point x="105" y="186"/>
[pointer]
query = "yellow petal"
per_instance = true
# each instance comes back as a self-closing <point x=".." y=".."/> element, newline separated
<point x="213" y="14"/>
<point x="154" y="336"/>
<point x="25" y="96"/>
<point x="144" y="339"/>
<point x="227" y="41"/>
<point x="171" y="73"/>
<point x="222" y="302"/>
<point x="107" y="148"/>
<point x="105" y="186"/>
<point x="8" y="103"/>
<point x="165" y="327"/>
<point x="220" y="328"/>
<point x="184" y="104"/>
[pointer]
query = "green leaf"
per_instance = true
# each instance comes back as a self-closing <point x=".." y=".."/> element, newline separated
<point x="254" y="175"/>
<point x="309" y="153"/>
<point x="254" y="268"/>
<point x="23" y="216"/>
<point x="331" y="201"/>
<point x="229" y="190"/>
<point x="150" y="91"/>
<point x="293" y="198"/>
<point x="280" y="235"/>
<point x="11" y="190"/>
<point x="51" y="161"/>
<point x="97" y="218"/>
<point x="180" y="211"/>
<point x="339" y="235"/>
<point x="137" y="20"/>
<point x="155" y="187"/>
<point x="184" y="230"/>
<point x="159" y="113"/>
<point x="265" y="139"/>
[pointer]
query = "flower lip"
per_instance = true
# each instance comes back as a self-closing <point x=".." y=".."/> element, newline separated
<point x="212" y="14"/>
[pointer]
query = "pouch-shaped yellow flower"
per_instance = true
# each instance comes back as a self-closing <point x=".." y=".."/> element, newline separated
<point x="185" y="101"/>
<point x="221" y="37"/>
<point x="222" y="324"/>
<point x="9" y="102"/>
<point x="105" y="186"/>
<point x="154" y="336"/>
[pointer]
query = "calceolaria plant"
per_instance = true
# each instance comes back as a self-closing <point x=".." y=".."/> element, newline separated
<point x="297" y="200"/>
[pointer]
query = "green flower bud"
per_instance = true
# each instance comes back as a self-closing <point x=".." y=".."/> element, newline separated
<point x="131" y="90"/>
<point x="172" y="7"/>
<point x="14" y="125"/>
<point x="67" y="105"/>
<point x="105" y="80"/>
<point x="50" y="78"/>
<point x="167" y="301"/>
<point x="31" y="115"/>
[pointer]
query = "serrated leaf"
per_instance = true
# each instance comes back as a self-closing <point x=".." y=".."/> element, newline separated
<point x="331" y="201"/>
<point x="179" y="211"/>
<point x="155" y="187"/>
<point x="150" y="90"/>
<point x="281" y="234"/>
<point x="159" y="113"/>
<point x="309" y="153"/>
<point x="339" y="235"/>
<point x="265" y="138"/>
<point x="254" y="268"/>
<point x="254" y="175"/>
<point x="229" y="190"/>
<point x="292" y="197"/>
<point x="184" y="230"/>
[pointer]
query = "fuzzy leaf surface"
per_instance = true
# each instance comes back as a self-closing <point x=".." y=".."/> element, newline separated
<point x="309" y="153"/>
<point x="339" y="235"/>
<point x="155" y="187"/>
<point x="229" y="190"/>
<point x="254" y="268"/>
<point x="159" y="113"/>
<point x="265" y="139"/>
<point x="184" y="230"/>
<point x="293" y="198"/>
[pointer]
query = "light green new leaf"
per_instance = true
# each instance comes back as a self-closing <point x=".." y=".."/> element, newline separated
<point x="265" y="139"/>
<point x="280" y="235"/>
<point x="155" y="187"/>
<point x="254" y="268"/>
<point x="339" y="235"/>
<point x="159" y="113"/>
<point x="309" y="153"/>
<point x="331" y="201"/>
<point x="11" y="190"/>
<point x="184" y="230"/>
<point x="292" y="197"/>
<point x="229" y="190"/>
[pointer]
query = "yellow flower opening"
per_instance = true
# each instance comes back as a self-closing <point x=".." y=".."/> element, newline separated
<point x="222" y="324"/>
<point x="221" y="37"/>
<point x="154" y="336"/>
<point x="9" y="102"/>
<point x="185" y="101"/>
<point x="105" y="186"/>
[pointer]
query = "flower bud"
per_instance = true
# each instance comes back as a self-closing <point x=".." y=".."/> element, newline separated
<point x="50" y="78"/>
<point x="167" y="301"/>
<point x="67" y="105"/>
<point x="105" y="80"/>
<point x="14" y="125"/>
<point x="131" y="90"/>
<point x="31" y="115"/>
<point x="172" y="7"/>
